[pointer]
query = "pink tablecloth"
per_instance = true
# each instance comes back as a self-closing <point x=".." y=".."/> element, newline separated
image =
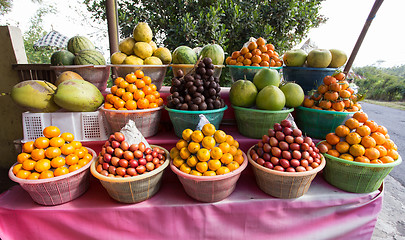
<point x="324" y="212"/>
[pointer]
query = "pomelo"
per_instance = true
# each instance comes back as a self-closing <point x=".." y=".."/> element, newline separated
<point x="270" y="98"/>
<point x="295" y="58"/>
<point x="339" y="58"/>
<point x="266" y="77"/>
<point x="294" y="94"/>
<point x="319" y="58"/>
<point x="243" y="93"/>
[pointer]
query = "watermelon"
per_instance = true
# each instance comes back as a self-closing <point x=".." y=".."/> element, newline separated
<point x="215" y="52"/>
<point x="79" y="43"/>
<point x="184" y="55"/>
<point x="61" y="58"/>
<point x="89" y="57"/>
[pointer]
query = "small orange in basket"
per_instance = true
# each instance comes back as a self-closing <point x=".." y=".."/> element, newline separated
<point x="46" y="174"/>
<point x="119" y="103"/>
<point x="80" y="152"/>
<point x="226" y="158"/>
<point x="178" y="161"/>
<point x="379" y="138"/>
<point x="68" y="137"/>
<point x="220" y="136"/>
<point x="195" y="173"/>
<point x="29" y="165"/>
<point x="114" y="90"/>
<point x="340" y="76"/>
<point x="368" y="142"/>
<point x="209" y="173"/>
<point x="143" y="103"/>
<point x="216" y="153"/>
<point x="214" y="164"/>
<point x="192" y="161"/>
<point x="131" y="88"/>
<point x="43" y="165"/>
<point x="33" y="176"/>
<point x="208" y="129"/>
<point x="130" y="78"/>
<point x="372" y="153"/>
<point x="270" y="47"/>
<point x="41" y="142"/>
<point x="382" y="150"/>
<point x="328" y="80"/>
<point x="233" y="166"/>
<point x="197" y="136"/>
<point x="160" y="102"/>
<point x="71" y="159"/>
<point x="335" y="87"/>
<point x="22" y="157"/>
<point x="123" y="84"/>
<point x="252" y="45"/>
<point x="344" y="94"/>
<point x="393" y="153"/>
<point x="361" y="116"/>
<point x="208" y="142"/>
<point x="76" y="144"/>
<point x="342" y="147"/>
<point x="376" y="161"/>
<point x="51" y="131"/>
<point x="38" y="154"/>
<point x="56" y="142"/>
<point x="186" y="134"/>
<point x="222" y="170"/>
<point x="225" y="147"/>
<point x="147" y="80"/>
<point x="88" y="157"/>
<point x="203" y="154"/>
<point x="352" y="123"/>
<point x="67" y="149"/>
<point x="119" y="92"/>
<point x="139" y="74"/>
<point x="353" y="138"/>
<point x="332" y="138"/>
<point x="185" y="168"/>
<point x="153" y="87"/>
<point x="372" y="125"/>
<point x="28" y="147"/>
<point x="23" y="174"/>
<point x="342" y="130"/>
<point x="382" y="130"/>
<point x="233" y="150"/>
<point x="193" y="147"/>
<point x="185" y="153"/>
<point x="362" y="159"/>
<point x="17" y="168"/>
<point x="139" y="83"/>
<point x="338" y="106"/>
<point x="239" y="159"/>
<point x="357" y="150"/>
<point x="74" y="167"/>
<point x="387" y="159"/>
<point x="347" y="157"/>
<point x="202" y="167"/>
<point x="60" y="171"/>
<point x="181" y="144"/>
<point x="58" y="162"/>
<point x="127" y="96"/>
<point x="53" y="152"/>
<point x="138" y="94"/>
<point x="151" y="98"/>
<point x="130" y="105"/>
<point x="244" y="50"/>
<point x="363" y="130"/>
<point x="389" y="144"/>
<point x="333" y="152"/>
<point x="344" y="85"/>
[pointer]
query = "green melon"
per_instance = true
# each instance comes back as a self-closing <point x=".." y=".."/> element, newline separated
<point x="62" y="58"/>
<point x="89" y="57"/>
<point x="215" y="52"/>
<point x="79" y="43"/>
<point x="184" y="55"/>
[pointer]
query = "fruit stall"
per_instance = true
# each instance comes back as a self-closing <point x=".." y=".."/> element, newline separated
<point x="285" y="152"/>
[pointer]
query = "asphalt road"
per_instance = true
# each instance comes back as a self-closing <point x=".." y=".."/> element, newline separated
<point x="391" y="222"/>
<point x="394" y="121"/>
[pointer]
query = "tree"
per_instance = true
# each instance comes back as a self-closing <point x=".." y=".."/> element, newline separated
<point x="5" y="6"/>
<point x="229" y="23"/>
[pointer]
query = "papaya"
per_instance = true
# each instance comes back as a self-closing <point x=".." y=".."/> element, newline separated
<point x="35" y="95"/>
<point x="78" y="96"/>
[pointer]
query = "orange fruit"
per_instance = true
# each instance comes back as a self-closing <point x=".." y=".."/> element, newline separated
<point x="220" y="136"/>
<point x="119" y="93"/>
<point x="209" y="173"/>
<point x="60" y="171"/>
<point x="80" y="152"/>
<point x="222" y="170"/>
<point x="143" y="103"/>
<point x="332" y="138"/>
<point x="214" y="164"/>
<point x="118" y="80"/>
<point x="195" y="173"/>
<point x="192" y="161"/>
<point x="130" y="78"/>
<point x="22" y="157"/>
<point x="29" y="165"/>
<point x="23" y="174"/>
<point x="372" y="125"/>
<point x="17" y="168"/>
<point x="244" y="50"/>
<point x="130" y="105"/>
<point x="51" y="131"/>
<point x="252" y="45"/>
<point x="203" y="154"/>
<point x="361" y="116"/>
<point x="379" y="138"/>
<point x="342" y="147"/>
<point x="74" y="167"/>
<point x="328" y="80"/>
<point x="342" y="131"/>
<point x="58" y="162"/>
<point x="28" y="147"/>
<point x="186" y="134"/>
<point x="368" y="142"/>
<point x="53" y="152"/>
<point x="389" y="144"/>
<point x="56" y="142"/>
<point x="226" y="158"/>
<point x="67" y="149"/>
<point x="357" y="150"/>
<point x="76" y="144"/>
<point x="178" y="161"/>
<point x="131" y="88"/>
<point x="38" y="154"/>
<point x="390" y="152"/>
<point x="362" y="159"/>
<point x="333" y="152"/>
<point x="233" y="166"/>
<point x="185" y="168"/>
<point x="123" y="84"/>
<point x="140" y="83"/>
<point x="68" y="137"/>
<point x="184" y="153"/>
<point x="181" y="144"/>
<point x="353" y="138"/>
<point x="363" y="130"/>
<point x="46" y="174"/>
<point x="119" y="103"/>
<point x="193" y="147"/>
<point x="372" y="153"/>
<point x="225" y="147"/>
<point x="239" y="159"/>
<point x="387" y="159"/>
<point x="208" y="129"/>
<point x="139" y="74"/>
<point x="383" y="151"/>
<point x="41" y="142"/>
<point x="127" y="96"/>
<point x="71" y="159"/>
<point x="147" y="80"/>
<point x="197" y="136"/>
<point x="216" y="153"/>
<point x="43" y="165"/>
<point x="352" y="123"/>
<point x="202" y="167"/>
<point x="148" y="89"/>
<point x="347" y="156"/>
<point x="208" y="142"/>
<point x="382" y="130"/>
<point x="33" y="176"/>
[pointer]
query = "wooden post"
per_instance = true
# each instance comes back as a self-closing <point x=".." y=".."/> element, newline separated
<point x="112" y="21"/>
<point x="356" y="48"/>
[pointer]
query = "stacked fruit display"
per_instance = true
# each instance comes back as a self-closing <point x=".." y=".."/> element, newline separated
<point x="206" y="152"/>
<point x="256" y="53"/>
<point x="118" y="158"/>
<point x="362" y="140"/>
<point x="80" y="51"/>
<point x="197" y="90"/>
<point x="334" y="94"/>
<point x="265" y="92"/>
<point x="286" y="149"/>
<point x="188" y="55"/>
<point x="136" y="91"/>
<point x="316" y="58"/>
<point x="140" y="49"/>
<point x="52" y="155"/>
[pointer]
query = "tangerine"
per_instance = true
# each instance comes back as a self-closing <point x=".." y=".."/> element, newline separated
<point x="368" y="142"/>
<point x="353" y="138"/>
<point x="342" y="147"/>
<point x="361" y="116"/>
<point x="28" y="147"/>
<point x="41" y="142"/>
<point x="352" y="123"/>
<point x="363" y="130"/>
<point x="357" y="150"/>
<point x="51" y="131"/>
<point x="233" y="166"/>
<point x="60" y="171"/>
<point x="214" y="164"/>
<point x="342" y="131"/>
<point x="43" y="165"/>
<point x="222" y="170"/>
<point x="202" y="167"/>
<point x="332" y="138"/>
<point x="46" y="174"/>
<point x="379" y="138"/>
<point x="208" y="129"/>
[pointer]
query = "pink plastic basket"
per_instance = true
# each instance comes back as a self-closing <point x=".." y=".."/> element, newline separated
<point x="57" y="190"/>
<point x="146" y="120"/>
<point x="209" y="188"/>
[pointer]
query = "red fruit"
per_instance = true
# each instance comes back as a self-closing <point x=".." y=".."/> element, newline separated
<point x="285" y="123"/>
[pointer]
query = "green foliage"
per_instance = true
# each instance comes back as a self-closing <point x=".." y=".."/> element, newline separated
<point x="34" y="33"/>
<point x="5" y="6"/>
<point x="387" y="84"/>
<point x="229" y="23"/>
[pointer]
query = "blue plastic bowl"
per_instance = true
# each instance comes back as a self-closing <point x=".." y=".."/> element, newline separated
<point x="307" y="78"/>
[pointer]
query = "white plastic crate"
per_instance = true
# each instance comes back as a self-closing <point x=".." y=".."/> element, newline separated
<point x="85" y="126"/>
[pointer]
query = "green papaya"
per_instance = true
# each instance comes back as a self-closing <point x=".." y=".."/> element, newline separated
<point x="35" y="95"/>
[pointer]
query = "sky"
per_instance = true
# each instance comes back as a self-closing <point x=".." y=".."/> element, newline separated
<point x="384" y="41"/>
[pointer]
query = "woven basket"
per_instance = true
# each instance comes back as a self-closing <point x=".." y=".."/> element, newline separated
<point x="356" y="177"/>
<point x="209" y="188"/>
<point x="283" y="184"/>
<point x="182" y="119"/>
<point x="254" y="123"/>
<point x="57" y="190"/>
<point x="146" y="120"/>
<point x="133" y="189"/>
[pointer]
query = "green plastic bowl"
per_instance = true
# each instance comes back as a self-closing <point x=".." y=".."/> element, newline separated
<point x="248" y="72"/>
<point x="356" y="177"/>
<point x="254" y="123"/>
<point x="182" y="119"/>
<point x="318" y="123"/>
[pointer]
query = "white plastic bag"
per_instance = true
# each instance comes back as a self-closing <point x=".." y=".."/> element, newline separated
<point x="132" y="134"/>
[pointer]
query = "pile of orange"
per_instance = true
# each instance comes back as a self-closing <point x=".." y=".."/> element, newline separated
<point x="51" y="155"/>
<point x="257" y="53"/>
<point x="206" y="152"/>
<point x="136" y="91"/>
<point x="334" y="94"/>
<point x="362" y="140"/>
